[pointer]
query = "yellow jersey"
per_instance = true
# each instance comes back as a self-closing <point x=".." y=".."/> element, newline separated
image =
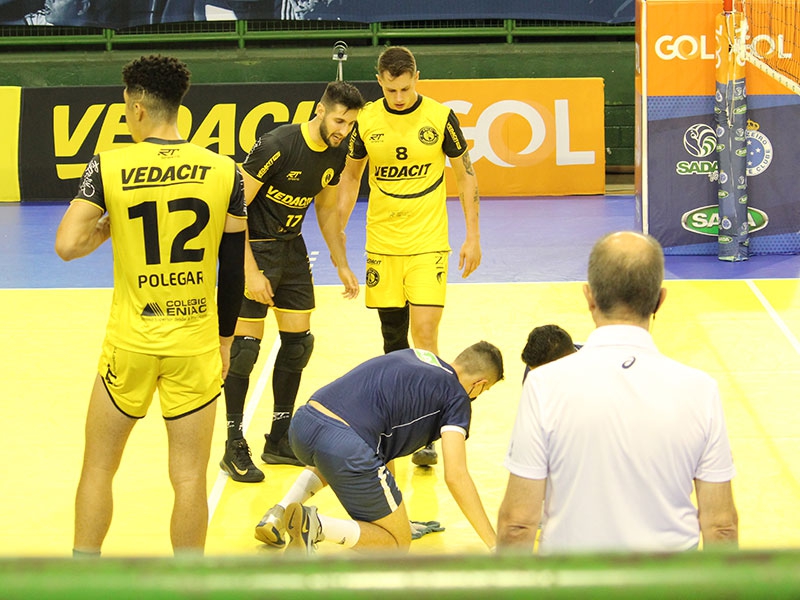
<point x="167" y="202"/>
<point x="407" y="211"/>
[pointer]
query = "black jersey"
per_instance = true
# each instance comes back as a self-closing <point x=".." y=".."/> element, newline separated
<point x="293" y="170"/>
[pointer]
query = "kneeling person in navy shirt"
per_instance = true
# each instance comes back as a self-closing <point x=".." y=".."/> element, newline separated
<point x="351" y="430"/>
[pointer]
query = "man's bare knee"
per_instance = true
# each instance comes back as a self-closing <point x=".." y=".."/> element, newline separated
<point x="187" y="481"/>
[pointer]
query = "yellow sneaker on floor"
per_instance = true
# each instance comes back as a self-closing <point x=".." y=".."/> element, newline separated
<point x="271" y="528"/>
<point x="303" y="528"/>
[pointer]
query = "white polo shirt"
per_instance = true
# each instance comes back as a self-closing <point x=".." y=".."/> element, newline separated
<point x="620" y="432"/>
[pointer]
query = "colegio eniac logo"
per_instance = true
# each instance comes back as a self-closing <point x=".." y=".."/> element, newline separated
<point x="705" y="220"/>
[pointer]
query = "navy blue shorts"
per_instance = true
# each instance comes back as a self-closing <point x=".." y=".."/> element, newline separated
<point x="356" y="473"/>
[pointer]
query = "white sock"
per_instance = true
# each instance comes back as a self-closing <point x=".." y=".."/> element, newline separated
<point x="344" y="532"/>
<point x="306" y="485"/>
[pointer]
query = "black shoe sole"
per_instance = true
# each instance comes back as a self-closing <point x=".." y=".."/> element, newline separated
<point x="425" y="461"/>
<point x="279" y="459"/>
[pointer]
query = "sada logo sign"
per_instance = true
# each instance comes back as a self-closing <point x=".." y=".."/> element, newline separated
<point x="705" y="220"/>
<point x="699" y="141"/>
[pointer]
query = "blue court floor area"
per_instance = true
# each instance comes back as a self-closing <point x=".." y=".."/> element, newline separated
<point x="522" y="239"/>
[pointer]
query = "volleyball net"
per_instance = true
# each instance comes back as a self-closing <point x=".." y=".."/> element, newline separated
<point x="770" y="38"/>
<point x="765" y="34"/>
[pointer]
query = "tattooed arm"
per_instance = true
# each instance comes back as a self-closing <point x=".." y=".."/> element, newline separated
<point x="470" y="255"/>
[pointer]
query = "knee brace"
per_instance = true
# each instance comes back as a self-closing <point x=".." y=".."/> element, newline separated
<point x="295" y="351"/>
<point x="394" y="327"/>
<point x="244" y="354"/>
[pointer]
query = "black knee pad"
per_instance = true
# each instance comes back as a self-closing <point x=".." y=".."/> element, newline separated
<point x="244" y="354"/>
<point x="295" y="351"/>
<point x="394" y="327"/>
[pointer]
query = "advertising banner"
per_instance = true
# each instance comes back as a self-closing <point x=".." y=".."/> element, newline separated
<point x="10" y="101"/>
<point x="677" y="165"/>
<point x="62" y="128"/>
<point x="117" y="14"/>
<point x="527" y="137"/>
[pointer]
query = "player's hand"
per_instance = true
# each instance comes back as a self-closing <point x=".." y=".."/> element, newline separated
<point x="469" y="258"/>
<point x="350" y="282"/>
<point x="420" y="528"/>
<point x="258" y="288"/>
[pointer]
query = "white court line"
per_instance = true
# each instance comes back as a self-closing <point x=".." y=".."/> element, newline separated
<point x="774" y="314"/>
<point x="249" y="411"/>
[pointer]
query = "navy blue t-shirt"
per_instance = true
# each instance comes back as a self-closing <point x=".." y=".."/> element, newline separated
<point x="399" y="402"/>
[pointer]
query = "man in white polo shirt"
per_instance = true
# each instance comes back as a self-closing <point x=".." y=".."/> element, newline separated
<point x="612" y="438"/>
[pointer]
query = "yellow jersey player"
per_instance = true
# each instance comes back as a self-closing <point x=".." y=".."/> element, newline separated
<point x="173" y="211"/>
<point x="407" y="138"/>
<point x="285" y="171"/>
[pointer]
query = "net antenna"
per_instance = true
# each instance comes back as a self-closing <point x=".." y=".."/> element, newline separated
<point x="770" y="38"/>
<point x="340" y="55"/>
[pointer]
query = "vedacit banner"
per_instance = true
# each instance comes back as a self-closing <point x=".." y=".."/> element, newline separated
<point x="526" y="136"/>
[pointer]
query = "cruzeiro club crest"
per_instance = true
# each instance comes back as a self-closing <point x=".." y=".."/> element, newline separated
<point x="759" y="150"/>
<point x="428" y="135"/>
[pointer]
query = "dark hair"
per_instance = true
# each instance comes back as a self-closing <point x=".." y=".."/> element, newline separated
<point x="397" y="60"/>
<point x="546" y="343"/>
<point x="344" y="94"/>
<point x="161" y="81"/>
<point x="482" y="359"/>
<point x="626" y="271"/>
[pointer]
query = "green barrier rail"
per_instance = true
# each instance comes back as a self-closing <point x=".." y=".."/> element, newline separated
<point x="244" y="33"/>
<point x="688" y="575"/>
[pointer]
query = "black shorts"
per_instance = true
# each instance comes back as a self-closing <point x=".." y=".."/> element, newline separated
<point x="285" y="263"/>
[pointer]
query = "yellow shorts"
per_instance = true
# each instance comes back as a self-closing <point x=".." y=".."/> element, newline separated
<point x="185" y="384"/>
<point x="420" y="279"/>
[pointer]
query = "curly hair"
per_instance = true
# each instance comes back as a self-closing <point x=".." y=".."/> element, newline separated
<point x="546" y="343"/>
<point x="161" y="82"/>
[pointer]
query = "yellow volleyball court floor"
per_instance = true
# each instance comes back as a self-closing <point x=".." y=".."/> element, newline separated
<point x="743" y="332"/>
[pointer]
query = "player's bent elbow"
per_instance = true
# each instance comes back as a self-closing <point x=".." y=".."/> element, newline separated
<point x="515" y="539"/>
<point x="723" y="531"/>
<point x="65" y="251"/>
